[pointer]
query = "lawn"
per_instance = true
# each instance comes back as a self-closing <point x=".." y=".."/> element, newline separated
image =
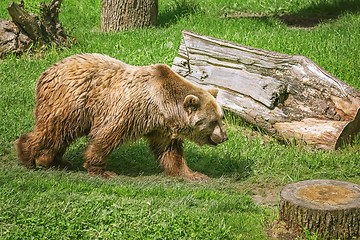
<point x="140" y="203"/>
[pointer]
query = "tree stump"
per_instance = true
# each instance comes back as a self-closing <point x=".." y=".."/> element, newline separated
<point x="328" y="207"/>
<point x="289" y="96"/>
<point x="26" y="29"/>
<point x="119" y="15"/>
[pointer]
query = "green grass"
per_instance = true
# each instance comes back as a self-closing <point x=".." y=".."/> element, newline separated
<point x="140" y="203"/>
<point x="72" y="206"/>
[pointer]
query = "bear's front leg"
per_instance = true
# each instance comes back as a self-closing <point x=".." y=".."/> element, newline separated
<point x="170" y="154"/>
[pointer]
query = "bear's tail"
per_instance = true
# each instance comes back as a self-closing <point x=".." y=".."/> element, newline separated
<point x="23" y="151"/>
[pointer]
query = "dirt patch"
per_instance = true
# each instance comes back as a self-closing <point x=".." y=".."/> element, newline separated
<point x="280" y="230"/>
<point x="269" y="196"/>
<point x="266" y="196"/>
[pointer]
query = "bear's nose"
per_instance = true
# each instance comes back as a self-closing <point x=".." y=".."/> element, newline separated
<point x="225" y="138"/>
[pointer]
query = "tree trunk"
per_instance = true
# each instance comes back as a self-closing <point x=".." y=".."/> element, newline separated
<point x="119" y="15"/>
<point x="287" y="96"/>
<point x="323" y="206"/>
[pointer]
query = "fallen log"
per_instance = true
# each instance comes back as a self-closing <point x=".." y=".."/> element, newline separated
<point x="27" y="29"/>
<point x="289" y="96"/>
<point x="330" y="208"/>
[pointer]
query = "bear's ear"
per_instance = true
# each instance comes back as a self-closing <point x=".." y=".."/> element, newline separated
<point x="191" y="103"/>
<point x="214" y="92"/>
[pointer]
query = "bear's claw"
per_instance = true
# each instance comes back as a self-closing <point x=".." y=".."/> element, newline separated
<point x="103" y="174"/>
<point x="197" y="177"/>
<point x="108" y="175"/>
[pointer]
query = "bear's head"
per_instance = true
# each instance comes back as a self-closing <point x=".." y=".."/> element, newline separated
<point x="205" y="119"/>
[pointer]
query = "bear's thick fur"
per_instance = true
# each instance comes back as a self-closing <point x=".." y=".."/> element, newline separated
<point x="113" y="103"/>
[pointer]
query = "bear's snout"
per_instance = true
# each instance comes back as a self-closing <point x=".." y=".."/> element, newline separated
<point x="218" y="136"/>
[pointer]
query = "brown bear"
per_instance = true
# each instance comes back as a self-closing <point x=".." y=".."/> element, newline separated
<point x="112" y="103"/>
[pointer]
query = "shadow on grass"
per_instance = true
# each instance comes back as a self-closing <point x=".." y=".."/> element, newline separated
<point x="311" y="16"/>
<point x="136" y="159"/>
<point x="130" y="160"/>
<point x="320" y="12"/>
<point x="216" y="164"/>
<point x="177" y="10"/>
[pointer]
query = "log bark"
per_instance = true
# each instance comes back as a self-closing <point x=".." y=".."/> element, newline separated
<point x="330" y="208"/>
<point x="117" y="15"/>
<point x="288" y="96"/>
<point x="26" y="29"/>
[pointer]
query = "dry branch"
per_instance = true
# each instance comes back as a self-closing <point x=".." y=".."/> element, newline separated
<point x="25" y="29"/>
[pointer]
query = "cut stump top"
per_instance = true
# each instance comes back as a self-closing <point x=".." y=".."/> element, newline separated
<point x="323" y="194"/>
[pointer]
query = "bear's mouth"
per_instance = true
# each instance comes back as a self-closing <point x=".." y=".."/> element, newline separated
<point x="211" y="143"/>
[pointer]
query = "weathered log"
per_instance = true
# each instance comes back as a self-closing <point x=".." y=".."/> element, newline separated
<point x="330" y="208"/>
<point x="286" y="95"/>
<point x="24" y="29"/>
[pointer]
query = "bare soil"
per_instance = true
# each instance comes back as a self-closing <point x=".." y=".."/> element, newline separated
<point x="269" y="196"/>
<point x="280" y="230"/>
<point x="266" y="196"/>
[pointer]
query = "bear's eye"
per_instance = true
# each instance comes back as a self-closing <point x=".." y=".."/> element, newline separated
<point x="214" y="122"/>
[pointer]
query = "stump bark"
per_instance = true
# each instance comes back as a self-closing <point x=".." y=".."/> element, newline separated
<point x="330" y="208"/>
<point x="289" y="96"/>
<point x="27" y="29"/>
<point x="119" y="15"/>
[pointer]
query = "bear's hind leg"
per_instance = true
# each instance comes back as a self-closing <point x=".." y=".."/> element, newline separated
<point x="30" y="148"/>
<point x="24" y="150"/>
<point x="53" y="158"/>
<point x="96" y="156"/>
